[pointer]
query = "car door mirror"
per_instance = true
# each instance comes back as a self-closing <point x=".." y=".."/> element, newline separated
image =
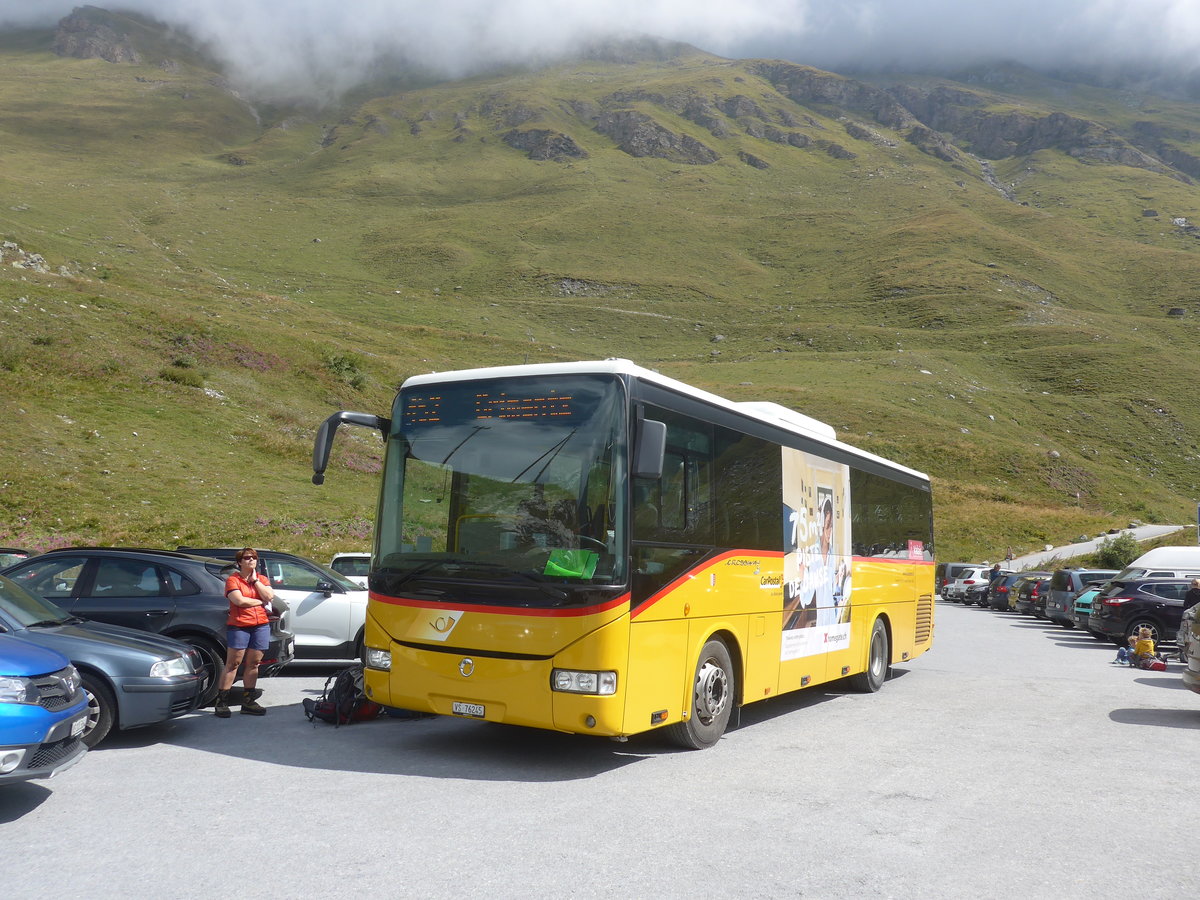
<point x="325" y="587"/>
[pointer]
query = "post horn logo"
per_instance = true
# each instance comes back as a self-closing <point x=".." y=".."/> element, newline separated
<point x="466" y="667"/>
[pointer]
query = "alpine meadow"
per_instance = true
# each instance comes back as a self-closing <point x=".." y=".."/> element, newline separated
<point x="990" y="275"/>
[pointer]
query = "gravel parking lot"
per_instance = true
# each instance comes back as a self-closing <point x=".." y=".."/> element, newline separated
<point x="1011" y="760"/>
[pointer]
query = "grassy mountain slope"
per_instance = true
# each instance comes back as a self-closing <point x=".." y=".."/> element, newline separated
<point x="231" y="275"/>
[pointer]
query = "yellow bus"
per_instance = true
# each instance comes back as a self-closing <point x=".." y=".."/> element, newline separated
<point x="595" y="548"/>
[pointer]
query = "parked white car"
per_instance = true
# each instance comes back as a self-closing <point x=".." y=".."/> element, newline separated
<point x="326" y="611"/>
<point x="352" y="565"/>
<point x="957" y="589"/>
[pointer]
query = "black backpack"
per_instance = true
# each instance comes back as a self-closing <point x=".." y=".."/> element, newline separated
<point x="343" y="701"/>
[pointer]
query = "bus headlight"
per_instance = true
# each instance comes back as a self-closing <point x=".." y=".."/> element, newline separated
<point x="379" y="659"/>
<point x="573" y="682"/>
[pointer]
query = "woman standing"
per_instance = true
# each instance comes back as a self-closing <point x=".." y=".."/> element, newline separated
<point x="248" y="632"/>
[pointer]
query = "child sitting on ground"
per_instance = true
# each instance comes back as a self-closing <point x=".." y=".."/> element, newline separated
<point x="1144" y="656"/>
<point x="1125" y="654"/>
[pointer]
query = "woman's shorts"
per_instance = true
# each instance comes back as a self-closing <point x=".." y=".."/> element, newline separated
<point x="250" y="637"/>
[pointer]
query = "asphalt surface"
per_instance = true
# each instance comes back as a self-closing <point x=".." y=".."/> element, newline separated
<point x="1012" y="760"/>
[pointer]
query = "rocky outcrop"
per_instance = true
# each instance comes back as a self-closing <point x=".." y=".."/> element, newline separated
<point x="1000" y="135"/>
<point x="81" y="36"/>
<point x="639" y="135"/>
<point x="1163" y="144"/>
<point x="540" y="143"/>
<point x="813" y="87"/>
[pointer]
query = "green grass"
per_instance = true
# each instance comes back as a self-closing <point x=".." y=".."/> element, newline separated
<point x="168" y="389"/>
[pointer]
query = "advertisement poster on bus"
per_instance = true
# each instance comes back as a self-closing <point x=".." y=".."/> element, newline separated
<point x="816" y="562"/>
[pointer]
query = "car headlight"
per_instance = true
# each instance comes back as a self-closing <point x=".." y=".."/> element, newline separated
<point x="573" y="682"/>
<point x="379" y="659"/>
<point x="166" y="668"/>
<point x="14" y="689"/>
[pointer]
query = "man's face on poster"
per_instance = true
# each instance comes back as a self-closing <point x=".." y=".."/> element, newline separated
<point x="827" y="529"/>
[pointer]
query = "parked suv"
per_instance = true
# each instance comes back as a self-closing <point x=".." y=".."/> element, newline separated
<point x="947" y="572"/>
<point x="354" y="566"/>
<point x="1024" y="593"/>
<point x="327" y="610"/>
<point x="966" y="578"/>
<point x="1064" y="585"/>
<point x="131" y="678"/>
<point x="43" y="712"/>
<point x="1123" y="607"/>
<point x="173" y="594"/>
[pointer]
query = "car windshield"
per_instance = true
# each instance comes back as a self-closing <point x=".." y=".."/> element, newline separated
<point x="27" y="609"/>
<point x="506" y="482"/>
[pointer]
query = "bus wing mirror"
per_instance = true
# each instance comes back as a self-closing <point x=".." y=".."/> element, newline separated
<point x="651" y="446"/>
<point x="324" y="442"/>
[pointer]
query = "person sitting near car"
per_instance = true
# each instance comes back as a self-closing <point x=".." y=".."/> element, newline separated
<point x="1125" y="654"/>
<point x="1143" y="650"/>
<point x="248" y="632"/>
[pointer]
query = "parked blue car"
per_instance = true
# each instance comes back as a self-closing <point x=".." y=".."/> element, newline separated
<point x="43" y="712"/>
<point x="131" y="678"/>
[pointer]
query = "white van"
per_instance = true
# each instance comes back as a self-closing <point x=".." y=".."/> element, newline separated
<point x="1164" y="562"/>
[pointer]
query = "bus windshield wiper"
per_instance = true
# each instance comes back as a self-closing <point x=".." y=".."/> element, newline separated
<point x="551" y="452"/>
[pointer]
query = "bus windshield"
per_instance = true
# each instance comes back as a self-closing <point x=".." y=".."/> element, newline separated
<point x="504" y="491"/>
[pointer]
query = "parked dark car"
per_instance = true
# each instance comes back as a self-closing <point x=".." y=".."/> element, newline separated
<point x="43" y="711"/>
<point x="1064" y="585"/>
<point x="998" y="589"/>
<point x="1025" y="592"/>
<point x="327" y="611"/>
<point x="11" y="555"/>
<point x="1123" y="607"/>
<point x="131" y="678"/>
<point x="173" y="594"/>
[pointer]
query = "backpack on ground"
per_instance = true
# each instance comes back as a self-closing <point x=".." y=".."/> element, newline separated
<point x="343" y="701"/>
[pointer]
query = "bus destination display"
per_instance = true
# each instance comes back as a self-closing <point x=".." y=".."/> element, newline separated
<point x="435" y="408"/>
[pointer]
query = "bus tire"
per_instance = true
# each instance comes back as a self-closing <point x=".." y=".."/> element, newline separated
<point x="878" y="662"/>
<point x="713" y="692"/>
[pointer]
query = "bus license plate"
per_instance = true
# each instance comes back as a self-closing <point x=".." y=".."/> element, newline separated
<point x="474" y="710"/>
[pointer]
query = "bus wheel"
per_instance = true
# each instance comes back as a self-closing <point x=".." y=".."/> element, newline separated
<point x="712" y="699"/>
<point x="870" y="681"/>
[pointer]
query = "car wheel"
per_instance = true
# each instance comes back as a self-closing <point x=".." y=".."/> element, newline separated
<point x="1136" y="625"/>
<point x="101" y="709"/>
<point x="712" y="699"/>
<point x="878" y="661"/>
<point x="212" y="664"/>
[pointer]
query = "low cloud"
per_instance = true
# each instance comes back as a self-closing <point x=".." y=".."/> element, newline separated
<point x="320" y="48"/>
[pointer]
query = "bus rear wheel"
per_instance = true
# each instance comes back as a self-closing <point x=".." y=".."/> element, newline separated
<point x="878" y="660"/>
<point x="712" y="699"/>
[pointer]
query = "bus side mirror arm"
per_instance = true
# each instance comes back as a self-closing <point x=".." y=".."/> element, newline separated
<point x="651" y="447"/>
<point x="324" y="442"/>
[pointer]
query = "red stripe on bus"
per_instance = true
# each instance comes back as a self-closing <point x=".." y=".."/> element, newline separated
<point x="692" y="573"/>
<point x="505" y="610"/>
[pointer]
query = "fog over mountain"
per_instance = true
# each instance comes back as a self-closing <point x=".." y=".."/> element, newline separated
<point x="317" y="47"/>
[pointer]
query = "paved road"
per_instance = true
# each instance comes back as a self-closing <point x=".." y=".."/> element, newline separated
<point x="1186" y="535"/>
<point x="1010" y="761"/>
